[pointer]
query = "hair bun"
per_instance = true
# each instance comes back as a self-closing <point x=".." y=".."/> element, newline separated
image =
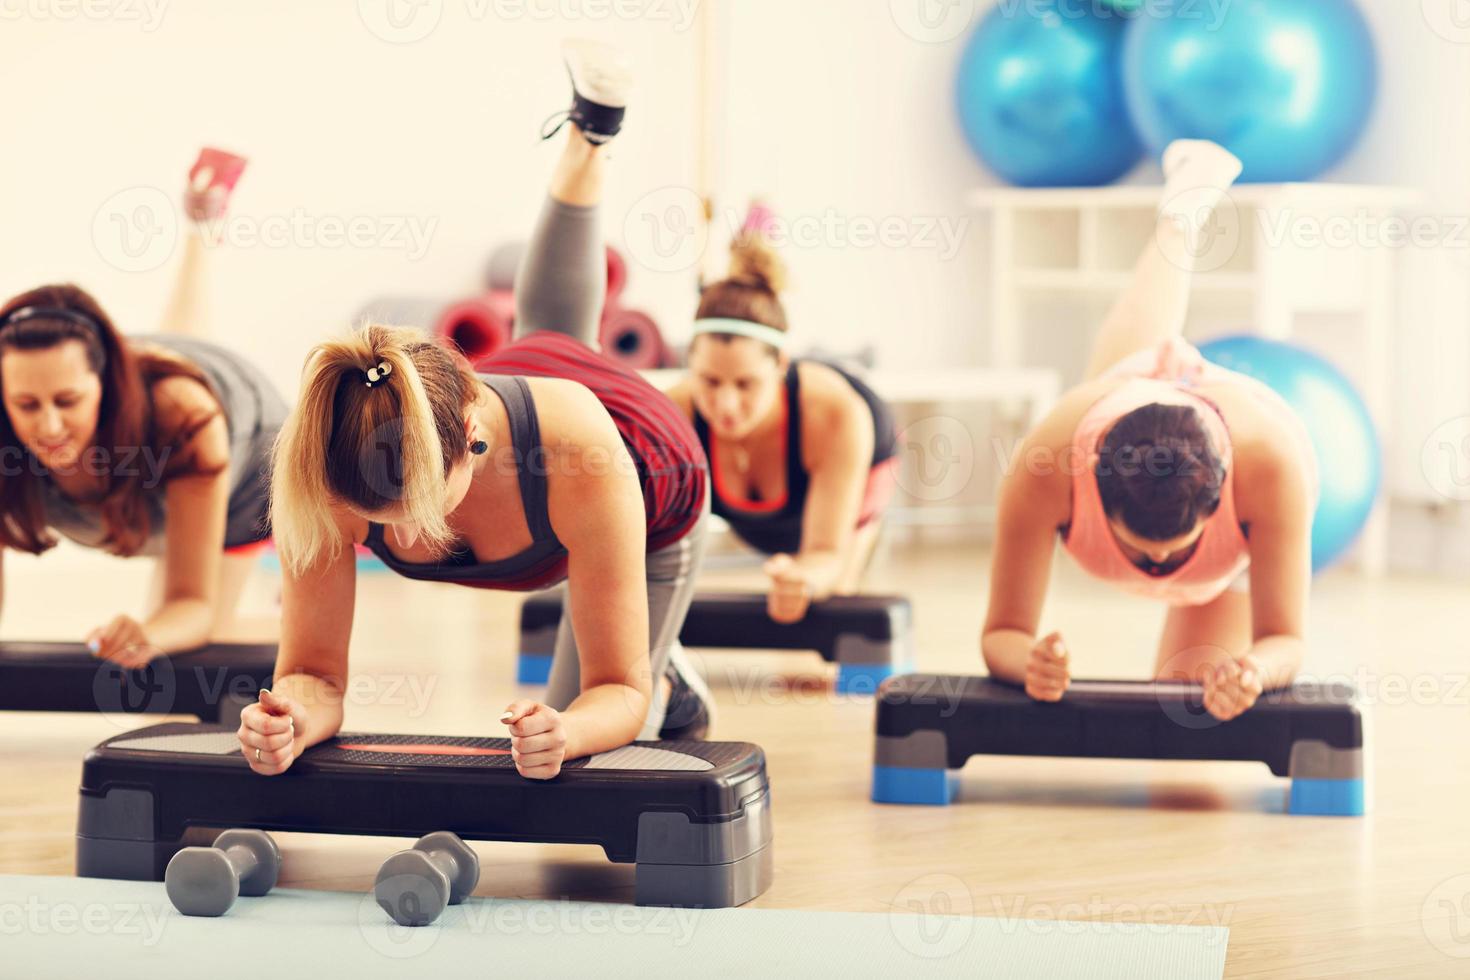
<point x="754" y="262"/>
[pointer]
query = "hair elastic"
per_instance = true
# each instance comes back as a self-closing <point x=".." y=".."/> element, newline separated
<point x="743" y="328"/>
<point x="376" y="374"/>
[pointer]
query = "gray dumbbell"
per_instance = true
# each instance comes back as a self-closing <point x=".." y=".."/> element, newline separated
<point x="207" y="880"/>
<point x="414" y="886"/>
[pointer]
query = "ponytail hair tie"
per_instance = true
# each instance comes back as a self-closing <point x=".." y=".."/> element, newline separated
<point x="376" y="374"/>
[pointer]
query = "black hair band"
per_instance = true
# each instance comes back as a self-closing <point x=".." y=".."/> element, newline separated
<point x="25" y="313"/>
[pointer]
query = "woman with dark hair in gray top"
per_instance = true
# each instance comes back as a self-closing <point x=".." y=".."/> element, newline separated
<point x="152" y="446"/>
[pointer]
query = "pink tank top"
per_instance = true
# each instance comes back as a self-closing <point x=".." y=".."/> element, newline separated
<point x="1163" y="376"/>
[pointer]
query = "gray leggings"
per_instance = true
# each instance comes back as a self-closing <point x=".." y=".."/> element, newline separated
<point x="561" y="286"/>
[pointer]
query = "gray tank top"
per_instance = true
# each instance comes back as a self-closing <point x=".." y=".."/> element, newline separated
<point x="254" y="413"/>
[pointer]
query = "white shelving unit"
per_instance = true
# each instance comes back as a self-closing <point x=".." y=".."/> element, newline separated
<point x="1282" y="252"/>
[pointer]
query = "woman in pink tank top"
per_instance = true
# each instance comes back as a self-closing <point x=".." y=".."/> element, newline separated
<point x="1169" y="478"/>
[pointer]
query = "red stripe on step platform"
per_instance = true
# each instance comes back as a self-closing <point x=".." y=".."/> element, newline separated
<point x="398" y="749"/>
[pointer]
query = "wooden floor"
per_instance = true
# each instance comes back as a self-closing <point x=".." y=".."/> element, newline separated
<point x="1119" y="842"/>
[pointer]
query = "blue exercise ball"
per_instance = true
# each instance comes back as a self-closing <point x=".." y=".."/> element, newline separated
<point x="1349" y="459"/>
<point x="1286" y="85"/>
<point x="1040" y="94"/>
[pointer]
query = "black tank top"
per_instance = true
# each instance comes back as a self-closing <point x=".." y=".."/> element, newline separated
<point x="779" y="530"/>
<point x="539" y="566"/>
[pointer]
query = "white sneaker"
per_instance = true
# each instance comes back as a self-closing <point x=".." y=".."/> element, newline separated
<point x="601" y="73"/>
<point x="1197" y="173"/>
<point x="602" y="80"/>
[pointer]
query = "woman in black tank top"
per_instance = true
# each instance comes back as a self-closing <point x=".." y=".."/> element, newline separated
<point x="138" y="446"/>
<point x="802" y="454"/>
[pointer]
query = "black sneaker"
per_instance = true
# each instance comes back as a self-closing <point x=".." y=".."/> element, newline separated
<point x="690" y="710"/>
<point x="601" y="82"/>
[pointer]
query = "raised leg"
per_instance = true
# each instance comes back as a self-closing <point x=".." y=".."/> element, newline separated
<point x="1153" y="307"/>
<point x="562" y="282"/>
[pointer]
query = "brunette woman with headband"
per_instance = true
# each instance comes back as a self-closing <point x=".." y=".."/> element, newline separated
<point x="154" y="445"/>
<point x="551" y="464"/>
<point x="803" y="454"/>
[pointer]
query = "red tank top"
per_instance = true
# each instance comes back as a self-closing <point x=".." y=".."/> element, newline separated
<point x="671" y="465"/>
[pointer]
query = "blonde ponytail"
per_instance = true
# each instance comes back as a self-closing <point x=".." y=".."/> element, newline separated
<point x="372" y="446"/>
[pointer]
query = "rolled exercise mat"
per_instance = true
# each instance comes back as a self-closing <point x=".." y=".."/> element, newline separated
<point x="617" y="274"/>
<point x="481" y="326"/>
<point x="632" y="339"/>
<point x="505" y="261"/>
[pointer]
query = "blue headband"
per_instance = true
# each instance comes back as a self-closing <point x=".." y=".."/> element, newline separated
<point x="742" y="328"/>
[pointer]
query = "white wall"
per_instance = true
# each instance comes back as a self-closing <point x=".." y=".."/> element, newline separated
<point x="338" y="124"/>
<point x="841" y="111"/>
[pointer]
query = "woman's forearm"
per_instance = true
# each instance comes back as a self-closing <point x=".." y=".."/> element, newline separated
<point x="322" y="700"/>
<point x="823" y="570"/>
<point x="1280" y="659"/>
<point x="604" y="718"/>
<point x="1006" y="653"/>
<point x="180" y="624"/>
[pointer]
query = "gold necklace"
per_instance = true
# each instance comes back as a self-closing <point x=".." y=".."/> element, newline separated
<point x="742" y="458"/>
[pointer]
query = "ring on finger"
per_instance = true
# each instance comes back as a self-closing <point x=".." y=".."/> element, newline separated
<point x="257" y="755"/>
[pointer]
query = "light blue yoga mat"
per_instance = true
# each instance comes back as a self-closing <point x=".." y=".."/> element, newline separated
<point x="121" y="930"/>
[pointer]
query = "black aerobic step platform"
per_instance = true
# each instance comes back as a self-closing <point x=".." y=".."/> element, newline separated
<point x="693" y="817"/>
<point x="869" y="637"/>
<point x="212" y="684"/>
<point x="928" y="725"/>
